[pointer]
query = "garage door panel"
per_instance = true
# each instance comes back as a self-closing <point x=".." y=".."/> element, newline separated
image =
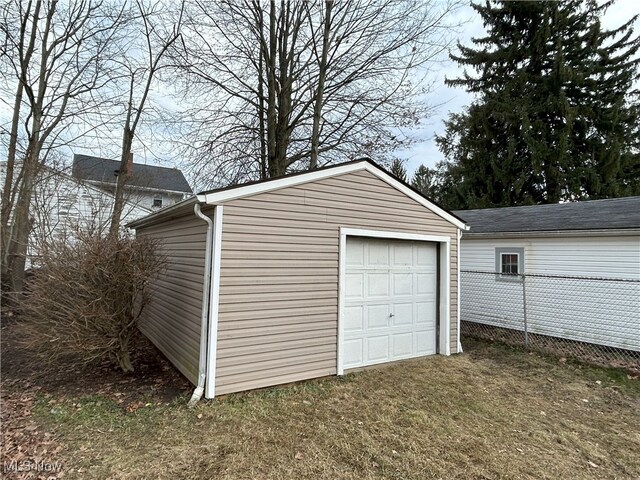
<point x="355" y="253"/>
<point x="377" y="284"/>
<point x="354" y="285"/>
<point x="425" y="283"/>
<point x="403" y="344"/>
<point x="402" y="284"/>
<point x="353" y="352"/>
<point x="425" y="256"/>
<point x="425" y="342"/>
<point x="377" y="348"/>
<point x="402" y="255"/>
<point x="354" y="318"/>
<point x="426" y="313"/>
<point x="390" y="301"/>
<point x="403" y="314"/>
<point x="378" y="253"/>
<point x="377" y="316"/>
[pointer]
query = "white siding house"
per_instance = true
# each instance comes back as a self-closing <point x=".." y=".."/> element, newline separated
<point x="61" y="204"/>
<point x="582" y="268"/>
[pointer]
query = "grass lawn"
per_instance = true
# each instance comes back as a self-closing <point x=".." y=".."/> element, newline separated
<point x="492" y="412"/>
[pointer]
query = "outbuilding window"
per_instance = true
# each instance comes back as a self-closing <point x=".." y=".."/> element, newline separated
<point x="157" y="200"/>
<point x="509" y="261"/>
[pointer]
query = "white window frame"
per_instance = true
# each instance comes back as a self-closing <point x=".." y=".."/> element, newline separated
<point x="158" y="196"/>
<point x="444" y="279"/>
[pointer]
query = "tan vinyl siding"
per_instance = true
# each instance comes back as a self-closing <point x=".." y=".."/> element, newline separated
<point x="172" y="321"/>
<point x="279" y="274"/>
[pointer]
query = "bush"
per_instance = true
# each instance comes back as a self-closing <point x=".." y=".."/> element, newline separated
<point x="87" y="297"/>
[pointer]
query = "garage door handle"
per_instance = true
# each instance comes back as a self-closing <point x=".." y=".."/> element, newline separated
<point x="391" y="315"/>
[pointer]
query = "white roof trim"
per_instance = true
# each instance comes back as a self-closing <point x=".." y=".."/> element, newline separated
<point x="215" y="198"/>
<point x="612" y="232"/>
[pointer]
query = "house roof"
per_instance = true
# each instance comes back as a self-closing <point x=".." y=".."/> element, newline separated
<point x="614" y="213"/>
<point x="96" y="169"/>
<point x="221" y="195"/>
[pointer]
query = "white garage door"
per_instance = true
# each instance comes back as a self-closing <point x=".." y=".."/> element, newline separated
<point x="390" y="301"/>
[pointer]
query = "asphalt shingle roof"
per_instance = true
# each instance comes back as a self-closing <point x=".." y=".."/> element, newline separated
<point x="87" y="167"/>
<point x="614" y="213"/>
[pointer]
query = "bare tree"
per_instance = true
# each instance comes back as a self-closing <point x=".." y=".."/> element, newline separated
<point x="292" y="85"/>
<point x="139" y="74"/>
<point x="55" y="57"/>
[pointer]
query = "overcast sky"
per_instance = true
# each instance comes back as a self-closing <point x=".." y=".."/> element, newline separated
<point x="455" y="99"/>
<point x="424" y="151"/>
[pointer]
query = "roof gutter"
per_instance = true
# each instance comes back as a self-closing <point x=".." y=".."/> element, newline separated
<point x="204" y="319"/>
<point x="162" y="214"/>
<point x="553" y="233"/>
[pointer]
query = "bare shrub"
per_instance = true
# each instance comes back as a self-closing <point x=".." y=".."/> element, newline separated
<point x="87" y="297"/>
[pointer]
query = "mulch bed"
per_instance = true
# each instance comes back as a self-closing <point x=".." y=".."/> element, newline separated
<point x="28" y="450"/>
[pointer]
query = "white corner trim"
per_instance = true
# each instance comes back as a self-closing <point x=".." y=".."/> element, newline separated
<point x="221" y="196"/>
<point x="458" y="288"/>
<point x="214" y="303"/>
<point x="443" y="277"/>
<point x="445" y="298"/>
<point x="342" y="250"/>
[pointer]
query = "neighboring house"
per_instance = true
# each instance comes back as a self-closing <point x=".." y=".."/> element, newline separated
<point x="559" y="246"/>
<point x="149" y="186"/>
<point x="303" y="276"/>
<point x="62" y="204"/>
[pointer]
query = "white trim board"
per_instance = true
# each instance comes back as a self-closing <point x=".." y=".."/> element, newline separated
<point x="217" y="197"/>
<point x="459" y="238"/>
<point x="443" y="278"/>
<point x="214" y="303"/>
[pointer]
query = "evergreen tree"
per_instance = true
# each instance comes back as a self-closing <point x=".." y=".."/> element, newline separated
<point x="398" y="169"/>
<point x="424" y="180"/>
<point x="556" y="113"/>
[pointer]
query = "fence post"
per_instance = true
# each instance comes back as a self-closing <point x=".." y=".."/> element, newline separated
<point x="524" y="309"/>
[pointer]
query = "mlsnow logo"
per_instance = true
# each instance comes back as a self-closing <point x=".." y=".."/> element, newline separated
<point x="32" y="466"/>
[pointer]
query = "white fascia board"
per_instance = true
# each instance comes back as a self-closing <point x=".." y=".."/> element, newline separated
<point x="215" y="198"/>
<point x="612" y="232"/>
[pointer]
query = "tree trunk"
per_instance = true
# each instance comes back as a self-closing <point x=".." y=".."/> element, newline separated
<point x="122" y="355"/>
<point x="21" y="223"/>
<point x="9" y="188"/>
<point x="123" y="177"/>
<point x="322" y="72"/>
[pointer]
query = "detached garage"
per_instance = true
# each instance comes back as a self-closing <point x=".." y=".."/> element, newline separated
<point x="303" y="276"/>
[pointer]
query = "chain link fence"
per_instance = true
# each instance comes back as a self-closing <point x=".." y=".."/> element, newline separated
<point x="596" y="320"/>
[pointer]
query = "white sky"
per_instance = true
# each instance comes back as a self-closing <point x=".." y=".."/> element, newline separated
<point x="426" y="151"/>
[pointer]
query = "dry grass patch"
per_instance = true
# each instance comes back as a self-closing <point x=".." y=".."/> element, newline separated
<point x="492" y="412"/>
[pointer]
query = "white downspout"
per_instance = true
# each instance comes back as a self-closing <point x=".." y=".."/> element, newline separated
<point x="458" y="290"/>
<point x="204" y="320"/>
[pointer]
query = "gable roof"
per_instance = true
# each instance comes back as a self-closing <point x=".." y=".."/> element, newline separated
<point x="221" y="195"/>
<point x="102" y="170"/>
<point x="614" y="213"/>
